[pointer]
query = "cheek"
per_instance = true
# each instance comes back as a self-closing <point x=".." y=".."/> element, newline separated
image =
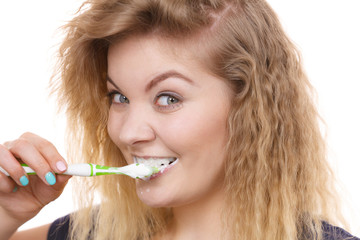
<point x="196" y="129"/>
<point x="112" y="127"/>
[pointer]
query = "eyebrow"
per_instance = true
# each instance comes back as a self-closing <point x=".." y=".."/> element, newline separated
<point x="157" y="79"/>
<point x="172" y="73"/>
<point x="112" y="82"/>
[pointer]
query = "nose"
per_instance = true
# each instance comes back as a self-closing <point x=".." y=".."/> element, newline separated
<point x="136" y="128"/>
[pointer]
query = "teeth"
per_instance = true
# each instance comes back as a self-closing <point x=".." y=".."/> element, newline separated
<point x="160" y="163"/>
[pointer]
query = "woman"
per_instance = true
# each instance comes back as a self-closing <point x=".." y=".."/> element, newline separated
<point x="216" y="86"/>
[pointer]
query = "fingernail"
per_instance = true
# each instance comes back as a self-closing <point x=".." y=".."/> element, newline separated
<point x="24" y="180"/>
<point x="50" y="178"/>
<point x="61" y="166"/>
<point x="15" y="189"/>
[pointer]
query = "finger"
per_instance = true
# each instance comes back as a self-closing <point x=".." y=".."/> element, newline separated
<point x="7" y="185"/>
<point x="10" y="164"/>
<point x="43" y="193"/>
<point x="48" y="151"/>
<point x="29" y="154"/>
<point x="62" y="180"/>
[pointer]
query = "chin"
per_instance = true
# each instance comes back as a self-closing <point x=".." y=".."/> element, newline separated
<point x="157" y="199"/>
<point x="154" y="201"/>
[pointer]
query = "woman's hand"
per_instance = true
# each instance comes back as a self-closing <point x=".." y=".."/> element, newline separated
<point x="23" y="196"/>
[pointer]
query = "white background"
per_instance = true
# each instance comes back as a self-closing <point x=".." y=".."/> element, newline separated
<point x="326" y="31"/>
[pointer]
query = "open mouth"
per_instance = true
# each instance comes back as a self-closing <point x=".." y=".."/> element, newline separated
<point x="159" y="163"/>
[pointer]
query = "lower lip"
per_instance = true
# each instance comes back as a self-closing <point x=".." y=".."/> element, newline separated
<point x="163" y="171"/>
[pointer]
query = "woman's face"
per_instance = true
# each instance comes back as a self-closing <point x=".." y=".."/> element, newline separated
<point x="166" y="105"/>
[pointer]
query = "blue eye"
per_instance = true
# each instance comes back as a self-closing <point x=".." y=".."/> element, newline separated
<point x="116" y="97"/>
<point x="165" y="100"/>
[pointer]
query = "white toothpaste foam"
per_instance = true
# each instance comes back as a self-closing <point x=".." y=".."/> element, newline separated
<point x="159" y="163"/>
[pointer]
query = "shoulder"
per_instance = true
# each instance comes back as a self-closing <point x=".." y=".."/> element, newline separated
<point x="59" y="229"/>
<point x="331" y="232"/>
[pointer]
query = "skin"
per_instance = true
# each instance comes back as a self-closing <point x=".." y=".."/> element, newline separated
<point x="187" y="121"/>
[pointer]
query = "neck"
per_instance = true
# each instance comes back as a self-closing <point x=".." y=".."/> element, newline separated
<point x="199" y="220"/>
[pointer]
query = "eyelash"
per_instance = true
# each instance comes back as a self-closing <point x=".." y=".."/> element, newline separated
<point x="173" y="106"/>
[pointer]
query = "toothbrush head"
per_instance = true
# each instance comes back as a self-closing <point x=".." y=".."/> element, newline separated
<point x="154" y="170"/>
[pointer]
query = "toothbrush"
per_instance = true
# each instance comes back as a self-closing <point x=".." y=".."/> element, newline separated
<point x="135" y="170"/>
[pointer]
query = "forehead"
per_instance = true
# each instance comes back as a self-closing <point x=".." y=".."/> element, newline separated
<point x="182" y="50"/>
<point x="149" y="54"/>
